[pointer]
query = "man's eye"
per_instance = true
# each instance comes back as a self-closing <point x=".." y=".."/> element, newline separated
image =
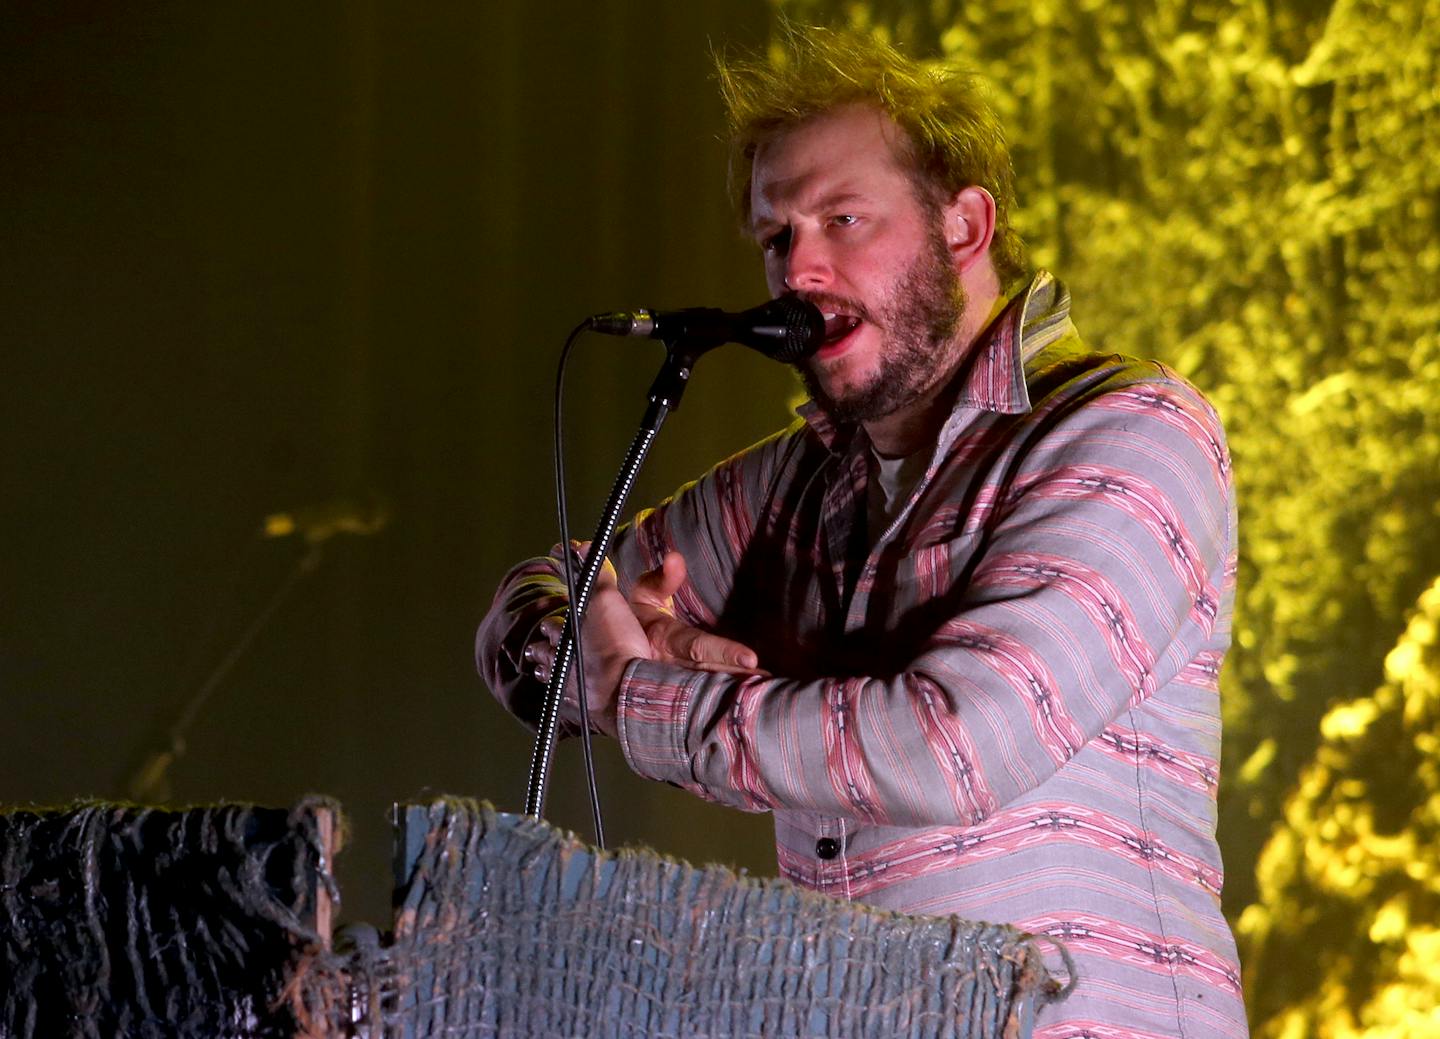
<point x="778" y="243"/>
<point x="843" y="219"/>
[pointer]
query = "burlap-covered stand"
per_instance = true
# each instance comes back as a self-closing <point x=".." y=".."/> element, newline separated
<point x="507" y="927"/>
<point x="117" y="920"/>
<point x="121" y="921"/>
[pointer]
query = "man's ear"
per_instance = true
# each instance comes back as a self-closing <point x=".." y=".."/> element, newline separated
<point x="969" y="226"/>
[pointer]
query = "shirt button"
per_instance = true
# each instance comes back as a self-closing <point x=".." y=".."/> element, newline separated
<point x="827" y="847"/>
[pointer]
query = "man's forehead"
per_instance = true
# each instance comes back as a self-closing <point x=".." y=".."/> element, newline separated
<point x="836" y="154"/>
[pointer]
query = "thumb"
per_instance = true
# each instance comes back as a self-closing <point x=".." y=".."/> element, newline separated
<point x="655" y="587"/>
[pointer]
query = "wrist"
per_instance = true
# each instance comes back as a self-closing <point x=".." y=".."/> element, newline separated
<point x="620" y="701"/>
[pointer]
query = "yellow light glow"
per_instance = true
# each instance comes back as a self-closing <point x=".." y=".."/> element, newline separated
<point x="1249" y="192"/>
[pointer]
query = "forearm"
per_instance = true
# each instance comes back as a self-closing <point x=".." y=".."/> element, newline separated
<point x="959" y="734"/>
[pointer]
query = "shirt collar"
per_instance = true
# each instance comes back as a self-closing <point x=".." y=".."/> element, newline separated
<point x="995" y="379"/>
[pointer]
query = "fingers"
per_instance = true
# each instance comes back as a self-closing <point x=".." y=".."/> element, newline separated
<point x="696" y="648"/>
<point x="656" y="587"/>
<point x="540" y="650"/>
<point x="681" y="643"/>
<point x="677" y="644"/>
<point x="539" y="659"/>
<point x="668" y="638"/>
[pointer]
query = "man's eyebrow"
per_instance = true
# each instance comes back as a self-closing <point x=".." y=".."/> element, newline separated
<point x="838" y="197"/>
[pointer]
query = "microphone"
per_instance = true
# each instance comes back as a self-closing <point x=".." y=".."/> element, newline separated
<point x="317" y="523"/>
<point x="787" y="329"/>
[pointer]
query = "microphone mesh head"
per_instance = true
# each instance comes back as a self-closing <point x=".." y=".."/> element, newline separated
<point x="804" y="329"/>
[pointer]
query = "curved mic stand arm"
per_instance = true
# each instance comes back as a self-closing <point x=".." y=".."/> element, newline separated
<point x="665" y="393"/>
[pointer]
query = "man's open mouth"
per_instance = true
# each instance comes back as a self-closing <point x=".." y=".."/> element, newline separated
<point x="838" y="326"/>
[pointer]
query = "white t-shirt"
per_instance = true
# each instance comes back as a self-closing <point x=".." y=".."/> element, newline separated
<point x="891" y="481"/>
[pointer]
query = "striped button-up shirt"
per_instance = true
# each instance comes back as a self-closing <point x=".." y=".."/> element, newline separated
<point x="1005" y="704"/>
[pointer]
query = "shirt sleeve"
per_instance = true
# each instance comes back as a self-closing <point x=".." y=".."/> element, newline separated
<point x="709" y="521"/>
<point x="529" y="593"/>
<point x="1105" y="552"/>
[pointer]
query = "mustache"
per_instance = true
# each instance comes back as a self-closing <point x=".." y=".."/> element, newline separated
<point x="829" y="302"/>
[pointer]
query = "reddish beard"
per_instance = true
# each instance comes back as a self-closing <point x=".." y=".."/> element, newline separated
<point x="917" y="322"/>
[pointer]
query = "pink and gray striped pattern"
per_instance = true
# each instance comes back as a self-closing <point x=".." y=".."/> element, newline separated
<point x="1005" y="706"/>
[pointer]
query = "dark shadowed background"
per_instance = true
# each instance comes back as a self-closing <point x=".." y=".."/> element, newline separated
<point x="255" y="258"/>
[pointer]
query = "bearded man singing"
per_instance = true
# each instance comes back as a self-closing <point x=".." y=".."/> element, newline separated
<point x="958" y="628"/>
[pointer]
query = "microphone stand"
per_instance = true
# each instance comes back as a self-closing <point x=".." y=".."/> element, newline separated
<point x="665" y="393"/>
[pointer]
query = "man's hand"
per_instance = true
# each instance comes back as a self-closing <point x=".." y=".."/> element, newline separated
<point x="618" y="631"/>
<point x="676" y="642"/>
<point x="613" y="638"/>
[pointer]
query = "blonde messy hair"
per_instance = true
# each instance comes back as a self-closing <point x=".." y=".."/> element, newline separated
<point x="953" y="138"/>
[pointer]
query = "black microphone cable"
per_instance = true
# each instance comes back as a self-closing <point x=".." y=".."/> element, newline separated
<point x="567" y="549"/>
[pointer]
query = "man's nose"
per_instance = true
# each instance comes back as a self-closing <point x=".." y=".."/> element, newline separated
<point x="808" y="264"/>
